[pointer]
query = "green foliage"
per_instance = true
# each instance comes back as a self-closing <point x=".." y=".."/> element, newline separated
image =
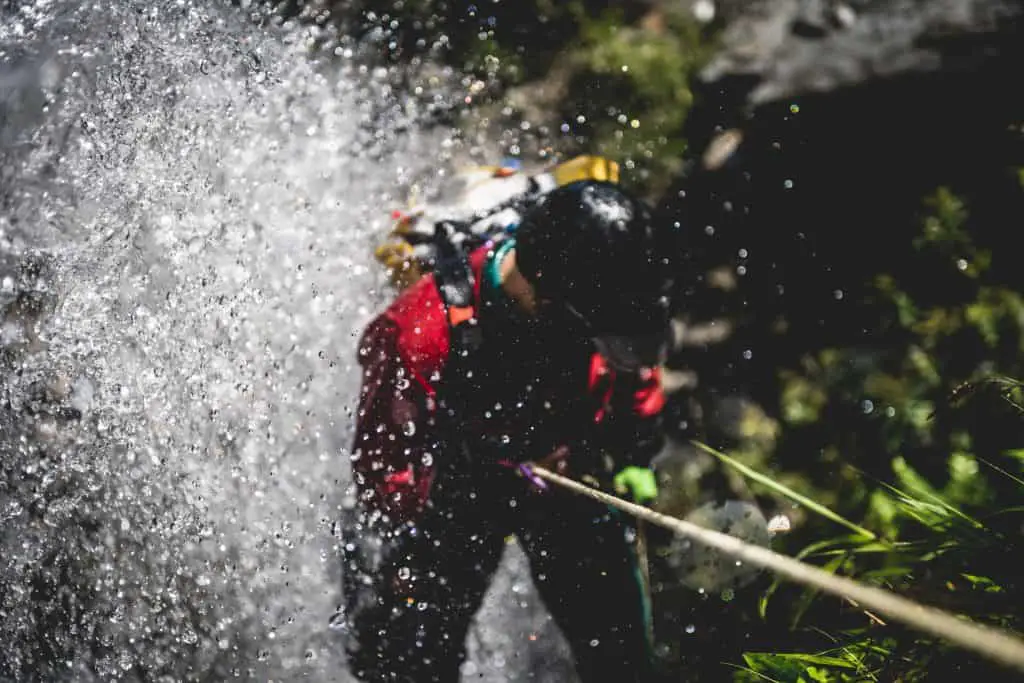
<point x="799" y="668"/>
<point x="916" y="436"/>
<point x="634" y="91"/>
<point x="948" y="558"/>
<point x="939" y="554"/>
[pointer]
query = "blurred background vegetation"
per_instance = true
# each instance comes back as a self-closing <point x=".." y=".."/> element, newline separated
<point x="850" y="321"/>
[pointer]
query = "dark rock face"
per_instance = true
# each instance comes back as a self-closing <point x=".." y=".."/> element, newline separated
<point x="888" y="73"/>
<point x="819" y="128"/>
<point x="797" y="47"/>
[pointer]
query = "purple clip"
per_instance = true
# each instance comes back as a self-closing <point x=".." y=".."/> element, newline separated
<point x="527" y="472"/>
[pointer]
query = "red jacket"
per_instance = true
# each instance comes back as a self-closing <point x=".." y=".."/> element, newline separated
<point x="403" y="353"/>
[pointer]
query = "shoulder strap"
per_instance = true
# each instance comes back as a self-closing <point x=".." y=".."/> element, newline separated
<point x="456" y="285"/>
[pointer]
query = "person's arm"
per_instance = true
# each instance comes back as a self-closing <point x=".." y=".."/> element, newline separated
<point x="390" y="447"/>
<point x="632" y="425"/>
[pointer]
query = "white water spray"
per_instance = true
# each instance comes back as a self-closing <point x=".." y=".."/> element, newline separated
<point x="188" y="204"/>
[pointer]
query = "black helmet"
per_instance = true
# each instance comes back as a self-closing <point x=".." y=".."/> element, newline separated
<point x="592" y="250"/>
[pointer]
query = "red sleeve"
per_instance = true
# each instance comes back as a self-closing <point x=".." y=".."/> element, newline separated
<point x="648" y="395"/>
<point x="391" y="462"/>
<point x="631" y="412"/>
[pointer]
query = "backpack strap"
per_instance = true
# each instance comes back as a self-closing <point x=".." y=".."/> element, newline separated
<point x="456" y="284"/>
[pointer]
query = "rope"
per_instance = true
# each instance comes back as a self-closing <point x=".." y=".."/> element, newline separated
<point x="993" y="643"/>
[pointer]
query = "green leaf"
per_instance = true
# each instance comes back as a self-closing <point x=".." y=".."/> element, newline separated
<point x="1016" y="453"/>
<point x="786" y="491"/>
<point x="791" y="665"/>
<point x="820" y="675"/>
<point x="774" y="665"/>
<point x="919" y="485"/>
<point x="762" y="603"/>
<point x="983" y="583"/>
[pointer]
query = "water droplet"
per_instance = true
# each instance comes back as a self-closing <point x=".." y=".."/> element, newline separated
<point x="867" y="406"/>
<point x="338" y="622"/>
<point x="12" y="509"/>
<point x="703" y="10"/>
<point x="595" y="642"/>
<point x="404" y="573"/>
<point x="690" y="628"/>
<point x="409" y="428"/>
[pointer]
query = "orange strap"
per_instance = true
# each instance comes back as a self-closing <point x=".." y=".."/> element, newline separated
<point x="459" y="314"/>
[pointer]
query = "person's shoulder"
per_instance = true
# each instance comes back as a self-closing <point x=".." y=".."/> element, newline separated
<point x="420" y="327"/>
<point x="416" y="322"/>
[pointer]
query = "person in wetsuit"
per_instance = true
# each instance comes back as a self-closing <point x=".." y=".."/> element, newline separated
<point x="543" y="347"/>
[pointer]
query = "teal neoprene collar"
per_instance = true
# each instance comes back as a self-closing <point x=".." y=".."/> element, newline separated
<point x="492" y="269"/>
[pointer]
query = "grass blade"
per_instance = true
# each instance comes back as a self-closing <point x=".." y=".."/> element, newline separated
<point x="1000" y="470"/>
<point x="786" y="491"/>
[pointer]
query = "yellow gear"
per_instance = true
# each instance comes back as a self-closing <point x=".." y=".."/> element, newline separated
<point x="397" y="254"/>
<point x="586" y="168"/>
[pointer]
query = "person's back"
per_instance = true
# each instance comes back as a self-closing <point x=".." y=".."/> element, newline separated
<point x="458" y="392"/>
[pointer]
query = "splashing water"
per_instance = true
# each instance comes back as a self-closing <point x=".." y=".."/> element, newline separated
<point x="187" y="209"/>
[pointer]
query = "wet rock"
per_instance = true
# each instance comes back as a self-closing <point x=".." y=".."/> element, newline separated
<point x="682" y="471"/>
<point x="789" y="48"/>
<point x="703" y="567"/>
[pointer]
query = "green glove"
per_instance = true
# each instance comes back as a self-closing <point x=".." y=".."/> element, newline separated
<point x="638" y="482"/>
